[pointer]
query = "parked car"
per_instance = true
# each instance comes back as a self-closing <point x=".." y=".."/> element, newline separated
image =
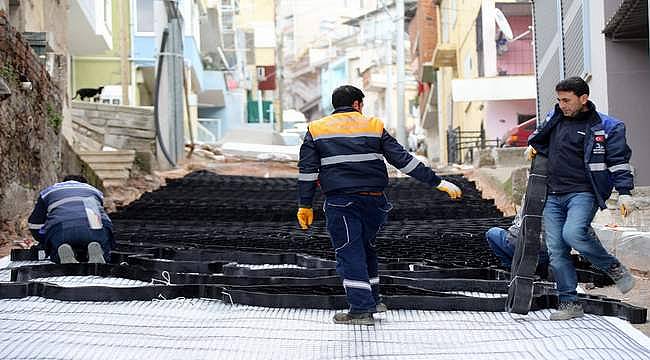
<point x="518" y="135"/>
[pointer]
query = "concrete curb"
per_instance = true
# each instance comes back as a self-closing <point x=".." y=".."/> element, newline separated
<point x="630" y="246"/>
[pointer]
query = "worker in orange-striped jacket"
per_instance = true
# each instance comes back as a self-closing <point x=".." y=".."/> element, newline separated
<point x="345" y="153"/>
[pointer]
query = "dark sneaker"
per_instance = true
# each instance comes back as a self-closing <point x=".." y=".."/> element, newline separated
<point x="381" y="307"/>
<point x="622" y="277"/>
<point x="66" y="254"/>
<point x="567" y="311"/>
<point x="95" y="253"/>
<point x="354" y="319"/>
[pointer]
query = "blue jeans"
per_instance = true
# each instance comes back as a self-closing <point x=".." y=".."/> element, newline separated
<point x="567" y="224"/>
<point x="353" y="222"/>
<point x="497" y="238"/>
<point x="78" y="235"/>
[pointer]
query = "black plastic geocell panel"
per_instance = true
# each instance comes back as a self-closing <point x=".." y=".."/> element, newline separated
<point x="524" y="263"/>
<point x="236" y="239"/>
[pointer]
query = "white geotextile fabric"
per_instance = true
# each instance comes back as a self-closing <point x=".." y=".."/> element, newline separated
<point x="34" y="328"/>
<point x="209" y="329"/>
<point x="80" y="281"/>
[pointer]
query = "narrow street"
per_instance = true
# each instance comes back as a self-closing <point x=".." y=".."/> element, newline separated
<point x="340" y="179"/>
<point x="237" y="234"/>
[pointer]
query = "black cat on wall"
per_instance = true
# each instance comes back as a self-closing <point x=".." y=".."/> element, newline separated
<point x="89" y="93"/>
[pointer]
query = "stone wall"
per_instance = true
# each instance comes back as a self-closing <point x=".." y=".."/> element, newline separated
<point x="96" y="126"/>
<point x="30" y="121"/>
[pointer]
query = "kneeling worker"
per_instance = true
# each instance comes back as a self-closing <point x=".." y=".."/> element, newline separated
<point x="503" y="242"/>
<point x="70" y="215"/>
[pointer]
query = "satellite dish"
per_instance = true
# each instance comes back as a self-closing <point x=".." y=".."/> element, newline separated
<point x="503" y="24"/>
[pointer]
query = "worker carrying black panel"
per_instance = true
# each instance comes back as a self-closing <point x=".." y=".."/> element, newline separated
<point x="588" y="156"/>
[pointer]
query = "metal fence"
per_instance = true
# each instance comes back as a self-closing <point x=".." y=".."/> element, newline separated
<point x="461" y="144"/>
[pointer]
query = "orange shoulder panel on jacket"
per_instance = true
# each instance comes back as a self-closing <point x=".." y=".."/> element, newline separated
<point x="349" y="124"/>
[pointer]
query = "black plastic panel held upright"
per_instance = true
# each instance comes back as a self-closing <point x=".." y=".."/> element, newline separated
<point x="524" y="262"/>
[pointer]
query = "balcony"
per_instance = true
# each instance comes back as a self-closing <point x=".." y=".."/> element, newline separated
<point x="445" y="55"/>
<point x="378" y="82"/>
<point x="90" y="27"/>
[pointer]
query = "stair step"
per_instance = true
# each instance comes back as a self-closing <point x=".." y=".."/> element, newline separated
<point x="108" y="153"/>
<point x="113" y="182"/>
<point x="111" y="166"/>
<point x="105" y="159"/>
<point x="112" y="174"/>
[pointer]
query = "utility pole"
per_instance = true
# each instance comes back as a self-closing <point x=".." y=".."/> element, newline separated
<point x="123" y="7"/>
<point x="401" y="130"/>
<point x="388" y="102"/>
<point x="279" y="67"/>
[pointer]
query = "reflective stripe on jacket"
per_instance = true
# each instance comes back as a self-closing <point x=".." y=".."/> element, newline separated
<point x="345" y="153"/>
<point x="607" y="155"/>
<point x="68" y="201"/>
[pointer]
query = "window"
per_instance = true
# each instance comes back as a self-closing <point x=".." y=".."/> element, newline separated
<point x="144" y="11"/>
<point x="522" y="118"/>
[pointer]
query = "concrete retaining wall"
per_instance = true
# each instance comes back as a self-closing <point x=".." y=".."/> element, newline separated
<point x="96" y="126"/>
<point x="510" y="157"/>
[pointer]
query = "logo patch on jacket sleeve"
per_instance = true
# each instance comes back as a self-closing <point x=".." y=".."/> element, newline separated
<point x="600" y="138"/>
<point x="599" y="148"/>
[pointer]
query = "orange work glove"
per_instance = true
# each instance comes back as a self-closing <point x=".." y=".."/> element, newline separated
<point x="530" y="153"/>
<point x="305" y="217"/>
<point x="451" y="189"/>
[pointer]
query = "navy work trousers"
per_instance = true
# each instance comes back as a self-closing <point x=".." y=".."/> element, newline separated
<point x="78" y="235"/>
<point x="353" y="222"/>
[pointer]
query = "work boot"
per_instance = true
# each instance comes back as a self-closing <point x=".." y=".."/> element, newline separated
<point x="622" y="277"/>
<point x="354" y="319"/>
<point x="95" y="253"/>
<point x="381" y="307"/>
<point x="66" y="254"/>
<point x="567" y="311"/>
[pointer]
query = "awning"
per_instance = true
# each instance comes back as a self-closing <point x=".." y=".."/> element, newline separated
<point x="494" y="88"/>
<point x="630" y="22"/>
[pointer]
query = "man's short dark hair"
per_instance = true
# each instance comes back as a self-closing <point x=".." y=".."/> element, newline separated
<point x="574" y="84"/>
<point x="78" y="178"/>
<point x="346" y="95"/>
